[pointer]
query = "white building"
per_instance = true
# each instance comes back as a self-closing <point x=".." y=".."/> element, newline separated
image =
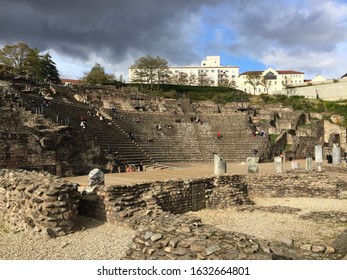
<point x="268" y="81"/>
<point x="212" y="73"/>
<point x="209" y="73"/>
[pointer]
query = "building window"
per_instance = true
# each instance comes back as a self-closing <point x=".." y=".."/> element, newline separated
<point x="270" y="76"/>
<point x="212" y="71"/>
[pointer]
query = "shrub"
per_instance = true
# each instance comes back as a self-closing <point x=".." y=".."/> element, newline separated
<point x="273" y="137"/>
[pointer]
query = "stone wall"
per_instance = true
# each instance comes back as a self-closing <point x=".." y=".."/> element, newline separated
<point x="115" y="203"/>
<point x="295" y="184"/>
<point x="122" y="202"/>
<point x="331" y="90"/>
<point x="334" y="129"/>
<point x="37" y="202"/>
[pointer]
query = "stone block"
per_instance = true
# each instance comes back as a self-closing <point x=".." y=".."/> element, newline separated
<point x="252" y="165"/>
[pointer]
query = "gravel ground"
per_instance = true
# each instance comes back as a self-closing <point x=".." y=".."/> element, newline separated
<point x="102" y="241"/>
<point x="273" y="226"/>
<point x="95" y="241"/>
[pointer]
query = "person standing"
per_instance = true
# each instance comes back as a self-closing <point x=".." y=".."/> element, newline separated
<point x="140" y="166"/>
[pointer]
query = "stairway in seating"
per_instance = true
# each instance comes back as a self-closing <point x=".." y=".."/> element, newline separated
<point x="165" y="145"/>
<point x="186" y="105"/>
<point x="237" y="142"/>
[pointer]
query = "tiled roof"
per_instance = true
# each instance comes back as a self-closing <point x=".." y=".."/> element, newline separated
<point x="71" y="81"/>
<point x="282" y="72"/>
<point x="289" y="72"/>
<point x="252" y="72"/>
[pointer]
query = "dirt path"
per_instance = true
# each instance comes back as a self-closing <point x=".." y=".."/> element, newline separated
<point x="179" y="170"/>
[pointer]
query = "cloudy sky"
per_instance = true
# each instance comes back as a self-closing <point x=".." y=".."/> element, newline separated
<point x="305" y="35"/>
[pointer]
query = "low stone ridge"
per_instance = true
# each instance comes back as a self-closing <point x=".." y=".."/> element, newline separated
<point x="326" y="216"/>
<point x="336" y="168"/>
<point x="37" y="202"/>
<point x="272" y="209"/>
<point x="183" y="237"/>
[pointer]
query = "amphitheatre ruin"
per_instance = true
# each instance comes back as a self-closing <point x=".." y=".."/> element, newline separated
<point x="161" y="198"/>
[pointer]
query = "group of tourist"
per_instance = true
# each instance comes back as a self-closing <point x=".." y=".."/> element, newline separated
<point x="261" y="133"/>
<point x="83" y="123"/>
<point x="113" y="167"/>
<point x="196" y="120"/>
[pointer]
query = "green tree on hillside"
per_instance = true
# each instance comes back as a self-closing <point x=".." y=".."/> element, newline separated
<point x="150" y="70"/>
<point x="20" y="59"/>
<point x="41" y="67"/>
<point x="97" y="75"/>
<point x="14" y="57"/>
<point x="49" y="70"/>
<point x="33" y="64"/>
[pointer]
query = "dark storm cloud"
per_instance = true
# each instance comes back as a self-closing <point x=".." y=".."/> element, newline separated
<point x="278" y="33"/>
<point x="108" y="28"/>
<point x="306" y="35"/>
<point x="292" y="25"/>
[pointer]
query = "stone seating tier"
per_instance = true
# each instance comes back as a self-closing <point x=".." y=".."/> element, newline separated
<point x="186" y="141"/>
<point x="190" y="140"/>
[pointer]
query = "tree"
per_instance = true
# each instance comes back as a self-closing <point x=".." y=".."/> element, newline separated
<point x="97" y="75"/>
<point x="204" y="80"/>
<point x="20" y="59"/>
<point x="266" y="83"/>
<point x="149" y="70"/>
<point x="181" y="78"/>
<point x="192" y="79"/>
<point x="49" y="71"/>
<point x="13" y="57"/>
<point x="33" y="66"/>
<point x="254" y="79"/>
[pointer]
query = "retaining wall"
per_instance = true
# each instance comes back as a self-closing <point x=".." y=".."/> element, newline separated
<point x="115" y="203"/>
<point x="38" y="202"/>
<point x="295" y="184"/>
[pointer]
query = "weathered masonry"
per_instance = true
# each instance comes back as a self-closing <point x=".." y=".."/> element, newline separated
<point x="161" y="212"/>
<point x="175" y="196"/>
<point x="38" y="202"/>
